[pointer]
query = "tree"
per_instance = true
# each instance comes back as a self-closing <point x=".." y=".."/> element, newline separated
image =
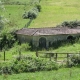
<point x="2" y="20"/>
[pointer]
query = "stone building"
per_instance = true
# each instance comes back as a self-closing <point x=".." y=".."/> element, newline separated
<point x="44" y="37"/>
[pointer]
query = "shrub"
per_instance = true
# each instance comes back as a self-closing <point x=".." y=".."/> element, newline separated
<point x="5" y="68"/>
<point x="38" y="7"/>
<point x="1" y="23"/>
<point x="7" y="40"/>
<point x="74" y="60"/>
<point x="29" y="64"/>
<point x="71" y="24"/>
<point x="32" y="14"/>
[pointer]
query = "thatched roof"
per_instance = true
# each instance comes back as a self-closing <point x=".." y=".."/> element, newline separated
<point x="47" y="31"/>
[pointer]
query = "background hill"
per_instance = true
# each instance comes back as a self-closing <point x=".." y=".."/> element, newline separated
<point x="53" y="12"/>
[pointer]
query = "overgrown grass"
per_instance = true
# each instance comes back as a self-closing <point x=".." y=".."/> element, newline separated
<point x="61" y="74"/>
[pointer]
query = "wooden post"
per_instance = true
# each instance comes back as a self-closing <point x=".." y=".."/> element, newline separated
<point x="50" y="56"/>
<point x="56" y="57"/>
<point x="19" y="54"/>
<point x="4" y="56"/>
<point x="36" y="53"/>
<point x="67" y="58"/>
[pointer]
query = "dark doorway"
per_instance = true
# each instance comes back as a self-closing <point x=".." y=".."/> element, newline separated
<point x="42" y="42"/>
<point x="70" y="38"/>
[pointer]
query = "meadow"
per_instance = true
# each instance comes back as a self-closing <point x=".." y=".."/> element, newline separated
<point x="54" y="12"/>
<point x="61" y="74"/>
<point x="65" y="48"/>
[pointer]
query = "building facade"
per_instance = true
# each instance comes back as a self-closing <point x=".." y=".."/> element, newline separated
<point x="44" y="37"/>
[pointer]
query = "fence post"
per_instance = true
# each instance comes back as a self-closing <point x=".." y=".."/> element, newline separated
<point x="67" y="58"/>
<point x="19" y="54"/>
<point x="50" y="56"/>
<point x="56" y="57"/>
<point x="36" y="53"/>
<point x="4" y="55"/>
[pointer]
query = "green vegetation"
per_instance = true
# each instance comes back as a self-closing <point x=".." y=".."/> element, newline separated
<point x="73" y="48"/>
<point x="19" y="58"/>
<point x="71" y="24"/>
<point x="61" y="74"/>
<point x="27" y="64"/>
<point x="54" y="12"/>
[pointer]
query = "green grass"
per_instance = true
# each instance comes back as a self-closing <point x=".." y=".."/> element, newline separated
<point x="75" y="48"/>
<point x="61" y="74"/>
<point x="55" y="12"/>
<point x="10" y="55"/>
<point x="69" y="48"/>
<point x="14" y="14"/>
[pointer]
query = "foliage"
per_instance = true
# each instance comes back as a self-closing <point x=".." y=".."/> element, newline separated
<point x="61" y="74"/>
<point x="71" y="24"/>
<point x="32" y="14"/>
<point x="1" y="23"/>
<point x="21" y="47"/>
<point x="2" y="19"/>
<point x="7" y="40"/>
<point x="5" y="68"/>
<point x="30" y="64"/>
<point x="38" y="7"/>
<point x="27" y="64"/>
<point x="74" y="60"/>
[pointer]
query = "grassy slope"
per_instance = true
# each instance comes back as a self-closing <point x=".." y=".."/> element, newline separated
<point x="11" y="54"/>
<point x="14" y="13"/>
<point x="61" y="74"/>
<point x="62" y="10"/>
<point x="53" y="12"/>
<point x="56" y="11"/>
<point x="75" y="48"/>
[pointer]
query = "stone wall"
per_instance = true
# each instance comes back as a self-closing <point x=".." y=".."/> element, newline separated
<point x="49" y="38"/>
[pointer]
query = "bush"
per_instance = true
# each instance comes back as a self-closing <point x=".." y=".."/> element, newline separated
<point x="71" y="24"/>
<point x="29" y="64"/>
<point x="7" y="40"/>
<point x="1" y="23"/>
<point x="5" y="68"/>
<point x="38" y="7"/>
<point x="74" y="60"/>
<point x="32" y="14"/>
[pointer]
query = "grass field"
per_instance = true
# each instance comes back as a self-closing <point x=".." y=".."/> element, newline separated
<point x="13" y="52"/>
<point x="61" y="74"/>
<point x="54" y="12"/>
<point x="14" y="13"/>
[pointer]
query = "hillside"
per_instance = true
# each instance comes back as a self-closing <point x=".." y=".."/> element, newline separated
<point x="55" y="12"/>
<point x="14" y="11"/>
